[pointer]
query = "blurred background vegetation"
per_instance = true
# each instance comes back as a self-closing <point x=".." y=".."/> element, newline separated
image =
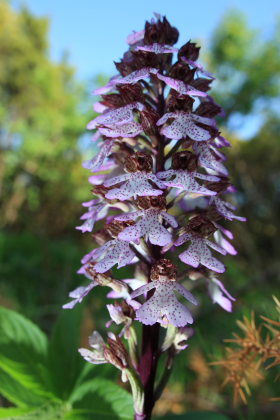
<point x="43" y="113"/>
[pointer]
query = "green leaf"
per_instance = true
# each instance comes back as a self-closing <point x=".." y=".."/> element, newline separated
<point x="195" y="415"/>
<point x="12" y="412"/>
<point x="23" y="348"/>
<point x="65" y="362"/>
<point x="48" y="411"/>
<point x="29" y="376"/>
<point x="105" y="399"/>
<point x="28" y="340"/>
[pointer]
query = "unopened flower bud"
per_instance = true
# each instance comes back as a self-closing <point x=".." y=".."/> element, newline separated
<point x="184" y="160"/>
<point x="139" y="162"/>
<point x="163" y="268"/>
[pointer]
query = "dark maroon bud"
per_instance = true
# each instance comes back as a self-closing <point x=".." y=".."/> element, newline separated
<point x="220" y="186"/>
<point x="139" y="161"/>
<point x="182" y="71"/>
<point x="148" y="119"/>
<point x="131" y="93"/>
<point x="208" y="109"/>
<point x="116" y="226"/>
<point x="202" y="84"/>
<point x="170" y="32"/>
<point x="176" y="102"/>
<point x="190" y="51"/>
<point x="202" y="225"/>
<point x="158" y="202"/>
<point x="114" y="100"/>
<point x="184" y="160"/>
<point x="124" y="68"/>
<point x="163" y="267"/>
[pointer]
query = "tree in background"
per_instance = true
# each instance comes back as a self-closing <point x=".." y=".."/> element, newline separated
<point x="40" y="122"/>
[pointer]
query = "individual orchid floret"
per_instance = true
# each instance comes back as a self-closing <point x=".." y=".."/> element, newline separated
<point x="97" y="210"/>
<point x="99" y="107"/>
<point x="108" y="87"/>
<point x="223" y="242"/>
<point x="180" y="86"/>
<point x="164" y="303"/>
<point x="137" y="75"/>
<point x="184" y="125"/>
<point x="206" y="157"/>
<point x="186" y="181"/>
<point x="122" y="313"/>
<point x="199" y="68"/>
<point x="225" y="209"/>
<point x="149" y="225"/>
<point x="219" y="294"/>
<point x="135" y="37"/>
<point x="116" y="116"/>
<point x="130" y="129"/>
<point x="137" y="182"/>
<point x="134" y="184"/>
<point x="111" y="253"/>
<point x="79" y="294"/>
<point x="156" y="48"/>
<point x="97" y="161"/>
<point x="96" y="355"/>
<point x="199" y="253"/>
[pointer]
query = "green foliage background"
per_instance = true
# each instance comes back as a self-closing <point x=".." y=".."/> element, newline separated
<point x="43" y="114"/>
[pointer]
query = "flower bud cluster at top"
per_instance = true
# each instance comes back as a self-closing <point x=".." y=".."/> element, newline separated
<point x="161" y="171"/>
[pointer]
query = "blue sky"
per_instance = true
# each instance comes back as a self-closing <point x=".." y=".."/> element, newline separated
<point x="94" y="31"/>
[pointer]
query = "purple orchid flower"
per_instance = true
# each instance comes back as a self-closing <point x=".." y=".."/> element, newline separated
<point x="97" y="161"/>
<point x="111" y="253"/>
<point x="222" y="241"/>
<point x="137" y="75"/>
<point x="148" y="225"/>
<point x="130" y="129"/>
<point x="134" y="183"/>
<point x="206" y="157"/>
<point x="199" y="68"/>
<point x="180" y="86"/>
<point x="135" y="37"/>
<point x="78" y="294"/>
<point x="157" y="48"/>
<point x="199" y="253"/>
<point x="163" y="303"/>
<point x="185" y="180"/>
<point x="116" y="116"/>
<point x="96" y="355"/>
<point x="97" y="209"/>
<point x="219" y="294"/>
<point x="184" y="124"/>
<point x="224" y="208"/>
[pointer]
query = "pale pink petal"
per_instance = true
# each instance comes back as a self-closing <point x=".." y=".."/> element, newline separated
<point x="137" y="75"/>
<point x="207" y="159"/>
<point x="199" y="68"/>
<point x="186" y="180"/>
<point x="98" y="107"/>
<point x="98" y="160"/>
<point x="180" y="86"/>
<point x="216" y="290"/>
<point x="130" y="129"/>
<point x="170" y="219"/>
<point x="116" y="116"/>
<point x="184" y="292"/>
<point x="137" y="183"/>
<point x="79" y="294"/>
<point x="157" y="48"/>
<point x="143" y="289"/>
<point x="182" y="126"/>
<point x="224" y="208"/>
<point x="135" y="37"/>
